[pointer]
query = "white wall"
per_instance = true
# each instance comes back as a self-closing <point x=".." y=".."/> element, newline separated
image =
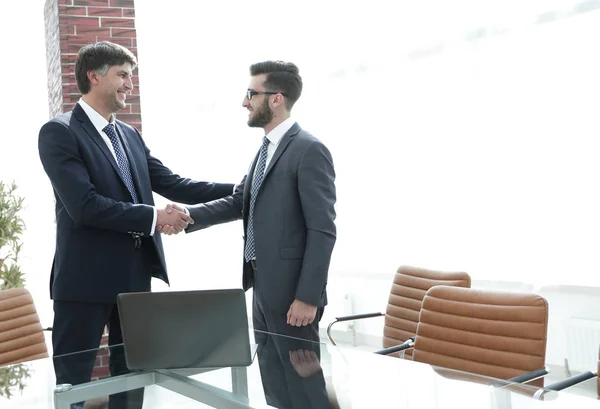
<point x="24" y="110"/>
<point x="450" y="152"/>
<point x="567" y="302"/>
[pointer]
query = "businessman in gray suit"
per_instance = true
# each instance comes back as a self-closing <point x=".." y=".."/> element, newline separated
<point x="286" y="201"/>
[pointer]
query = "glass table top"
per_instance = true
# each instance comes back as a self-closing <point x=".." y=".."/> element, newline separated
<point x="285" y="372"/>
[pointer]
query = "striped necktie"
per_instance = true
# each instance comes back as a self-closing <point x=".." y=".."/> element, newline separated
<point x="259" y="174"/>
<point x="109" y="130"/>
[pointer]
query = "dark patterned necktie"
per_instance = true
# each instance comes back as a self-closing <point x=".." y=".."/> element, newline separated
<point x="259" y="174"/>
<point x="109" y="130"/>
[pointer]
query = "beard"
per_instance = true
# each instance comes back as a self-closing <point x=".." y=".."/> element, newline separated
<point x="262" y="116"/>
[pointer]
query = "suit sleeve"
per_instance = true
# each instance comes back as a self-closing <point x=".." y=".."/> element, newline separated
<point x="316" y="187"/>
<point x="179" y="189"/>
<point x="62" y="161"/>
<point x="219" y="211"/>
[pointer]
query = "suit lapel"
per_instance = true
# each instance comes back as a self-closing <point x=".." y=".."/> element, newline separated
<point x="87" y="126"/>
<point x="132" y="160"/>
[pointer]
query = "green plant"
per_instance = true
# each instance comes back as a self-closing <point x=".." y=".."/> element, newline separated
<point x="11" y="228"/>
<point x="11" y="378"/>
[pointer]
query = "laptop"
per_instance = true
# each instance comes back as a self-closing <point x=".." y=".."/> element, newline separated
<point x="185" y="329"/>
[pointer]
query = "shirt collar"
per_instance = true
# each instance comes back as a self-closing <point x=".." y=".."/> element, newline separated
<point x="277" y="133"/>
<point x="97" y="120"/>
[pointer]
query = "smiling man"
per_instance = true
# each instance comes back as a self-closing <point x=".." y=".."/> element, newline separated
<point x="287" y="204"/>
<point x="107" y="242"/>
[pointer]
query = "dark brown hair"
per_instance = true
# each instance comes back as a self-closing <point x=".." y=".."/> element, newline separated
<point x="282" y="77"/>
<point x="100" y="57"/>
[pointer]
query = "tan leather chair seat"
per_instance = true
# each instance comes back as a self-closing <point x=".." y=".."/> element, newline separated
<point x="21" y="334"/>
<point x="404" y="303"/>
<point x="495" y="334"/>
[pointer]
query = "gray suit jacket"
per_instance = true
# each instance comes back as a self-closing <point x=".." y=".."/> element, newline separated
<point x="294" y="227"/>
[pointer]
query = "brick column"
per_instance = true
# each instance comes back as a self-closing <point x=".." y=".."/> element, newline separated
<point x="71" y="24"/>
<point x="101" y="369"/>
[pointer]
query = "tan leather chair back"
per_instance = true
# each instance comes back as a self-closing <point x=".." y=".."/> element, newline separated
<point x="404" y="304"/>
<point x="497" y="334"/>
<point x="21" y="334"/>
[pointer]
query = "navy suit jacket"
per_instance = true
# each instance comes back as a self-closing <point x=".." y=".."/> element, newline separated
<point x="95" y="256"/>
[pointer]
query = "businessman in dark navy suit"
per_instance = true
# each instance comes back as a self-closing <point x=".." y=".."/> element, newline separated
<point x="107" y="239"/>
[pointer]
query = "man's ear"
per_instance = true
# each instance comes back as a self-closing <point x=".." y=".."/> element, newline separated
<point x="277" y="100"/>
<point x="93" y="77"/>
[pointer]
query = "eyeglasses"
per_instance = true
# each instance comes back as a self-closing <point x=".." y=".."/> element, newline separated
<point x="250" y="93"/>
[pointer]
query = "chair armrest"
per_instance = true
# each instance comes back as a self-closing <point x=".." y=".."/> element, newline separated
<point x="574" y="380"/>
<point x="351" y="318"/>
<point x="359" y="316"/>
<point x="529" y="376"/>
<point x="559" y="386"/>
<point x="409" y="343"/>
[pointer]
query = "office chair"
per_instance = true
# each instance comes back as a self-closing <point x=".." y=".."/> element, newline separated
<point x="404" y="302"/>
<point x="497" y="334"/>
<point x="21" y="334"/>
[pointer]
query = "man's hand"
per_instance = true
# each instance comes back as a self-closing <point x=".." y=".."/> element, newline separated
<point x="305" y="362"/>
<point x="172" y="206"/>
<point x="301" y="314"/>
<point x="172" y="219"/>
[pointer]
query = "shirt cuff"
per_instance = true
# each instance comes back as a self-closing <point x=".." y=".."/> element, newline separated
<point x="154" y="222"/>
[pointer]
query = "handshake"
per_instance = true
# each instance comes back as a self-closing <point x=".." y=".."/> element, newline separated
<point x="172" y="219"/>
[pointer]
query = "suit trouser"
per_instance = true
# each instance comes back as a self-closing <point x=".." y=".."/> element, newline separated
<point x="286" y="384"/>
<point x="78" y="326"/>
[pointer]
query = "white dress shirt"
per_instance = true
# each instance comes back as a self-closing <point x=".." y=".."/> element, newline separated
<point x="274" y="138"/>
<point x="100" y="123"/>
